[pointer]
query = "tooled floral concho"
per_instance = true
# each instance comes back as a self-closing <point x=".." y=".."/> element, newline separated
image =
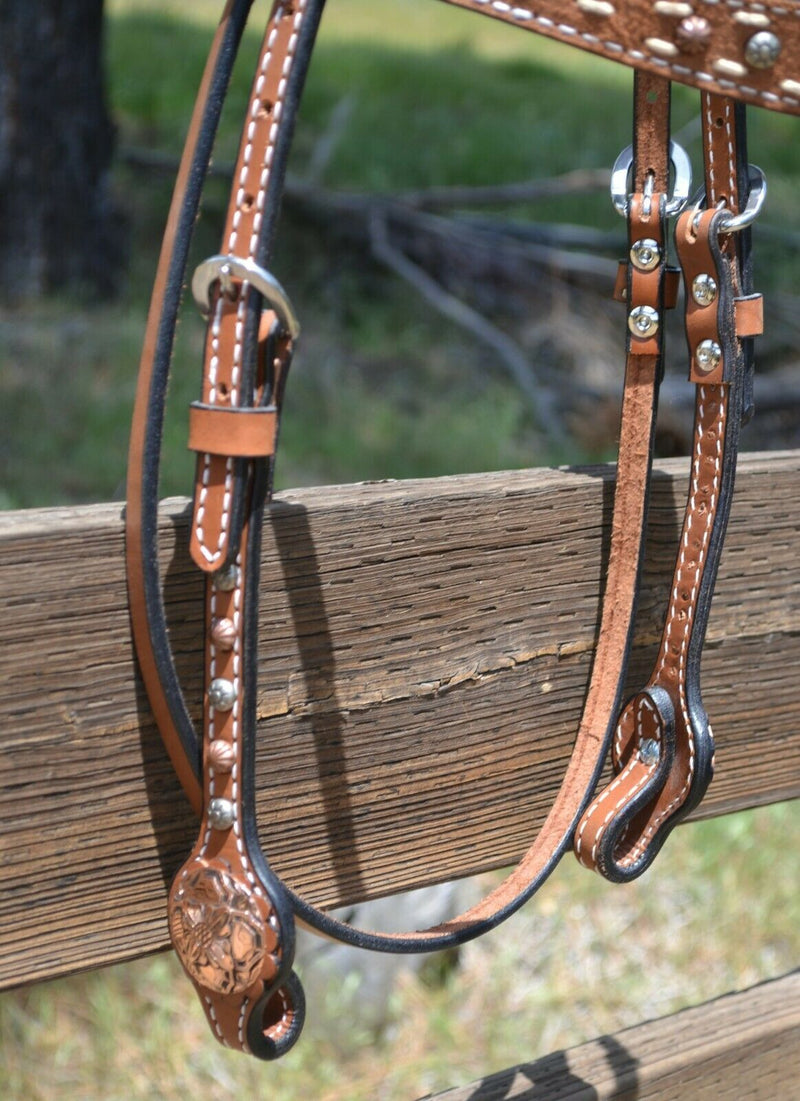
<point x="219" y="931"/>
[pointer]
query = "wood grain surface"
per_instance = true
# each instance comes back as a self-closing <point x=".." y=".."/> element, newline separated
<point x="425" y="652"/>
<point x="741" y="1047"/>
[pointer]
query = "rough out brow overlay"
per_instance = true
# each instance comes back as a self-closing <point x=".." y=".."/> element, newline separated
<point x="558" y="25"/>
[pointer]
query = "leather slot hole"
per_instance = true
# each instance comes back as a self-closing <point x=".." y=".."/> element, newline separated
<point x="277" y="1012"/>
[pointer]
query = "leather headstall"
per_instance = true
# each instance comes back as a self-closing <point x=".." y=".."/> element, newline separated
<point x="230" y="917"/>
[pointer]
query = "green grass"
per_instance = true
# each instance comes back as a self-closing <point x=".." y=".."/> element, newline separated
<point x="382" y="385"/>
<point x="717" y="912"/>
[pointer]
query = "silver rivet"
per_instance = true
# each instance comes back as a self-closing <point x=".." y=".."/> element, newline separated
<point x="645" y="254"/>
<point x="227" y="578"/>
<point x="221" y="814"/>
<point x="221" y="694"/>
<point x="762" y="50"/>
<point x="223" y="634"/>
<point x="649" y="752"/>
<point x="708" y="356"/>
<point x="704" y="290"/>
<point x="643" y="321"/>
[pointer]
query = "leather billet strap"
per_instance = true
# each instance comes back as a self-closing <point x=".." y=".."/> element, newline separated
<point x="663" y="748"/>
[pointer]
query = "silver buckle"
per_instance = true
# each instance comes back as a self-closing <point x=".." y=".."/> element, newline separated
<point x="733" y="223"/>
<point x="679" y="159"/>
<point x="223" y="269"/>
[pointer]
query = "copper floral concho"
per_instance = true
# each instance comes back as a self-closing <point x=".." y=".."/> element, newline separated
<point x="224" y="939"/>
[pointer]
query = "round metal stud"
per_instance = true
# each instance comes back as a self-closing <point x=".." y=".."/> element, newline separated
<point x="704" y="290"/>
<point x="221" y="694"/>
<point x="649" y="752"/>
<point x="223" y="634"/>
<point x="221" y="755"/>
<point x="762" y="50"/>
<point x="643" y="321"/>
<point x="708" y="356"/>
<point x="221" y="814"/>
<point x="645" y="254"/>
<point x="227" y="578"/>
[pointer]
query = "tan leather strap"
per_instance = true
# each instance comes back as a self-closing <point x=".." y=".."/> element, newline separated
<point x="148" y="622"/>
<point x="663" y="746"/>
<point x="238" y="433"/>
<point x="230" y="917"/>
<point x="225" y="868"/>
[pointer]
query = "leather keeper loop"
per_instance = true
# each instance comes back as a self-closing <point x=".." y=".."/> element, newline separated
<point x="748" y="313"/>
<point x="238" y="433"/>
<point x="672" y="283"/>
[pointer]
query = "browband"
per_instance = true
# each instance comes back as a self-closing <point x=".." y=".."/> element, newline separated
<point x="231" y="918"/>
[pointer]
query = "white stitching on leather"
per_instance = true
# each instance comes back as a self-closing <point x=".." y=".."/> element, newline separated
<point x="524" y="15"/>
<point x="684" y="642"/>
<point x="240" y="1025"/>
<point x="284" y="1024"/>
<point x="728" y="123"/>
<point x="642" y="704"/>
<point x="213" y="365"/>
<point x="710" y="512"/>
<point x="215" y="1023"/>
<point x="235" y="729"/>
<point x="213" y="556"/>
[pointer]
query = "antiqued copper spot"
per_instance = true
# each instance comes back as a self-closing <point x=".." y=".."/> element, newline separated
<point x="221" y="755"/>
<point x="217" y="929"/>
<point x="223" y="634"/>
<point x="693" y="33"/>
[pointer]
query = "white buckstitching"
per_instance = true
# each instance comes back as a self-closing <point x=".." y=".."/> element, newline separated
<point x="523" y="15"/>
<point x="240" y="1025"/>
<point x="214" y="1022"/>
<point x="214" y="556"/>
<point x="684" y="642"/>
<point x="642" y="704"/>
<point x="710" y="512"/>
<point x="283" y="1025"/>
<point x="692" y="515"/>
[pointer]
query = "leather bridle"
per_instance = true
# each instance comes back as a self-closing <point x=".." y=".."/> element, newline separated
<point x="231" y="918"/>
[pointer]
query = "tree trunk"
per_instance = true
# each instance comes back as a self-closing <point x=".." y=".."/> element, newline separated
<point x="59" y="226"/>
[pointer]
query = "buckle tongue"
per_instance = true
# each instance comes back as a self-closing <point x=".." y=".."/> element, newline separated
<point x="682" y="182"/>
<point x="223" y="269"/>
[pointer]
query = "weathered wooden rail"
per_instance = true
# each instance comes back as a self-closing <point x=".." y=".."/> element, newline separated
<point x="426" y="647"/>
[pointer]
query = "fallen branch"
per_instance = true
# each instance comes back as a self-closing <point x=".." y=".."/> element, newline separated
<point x="511" y="356"/>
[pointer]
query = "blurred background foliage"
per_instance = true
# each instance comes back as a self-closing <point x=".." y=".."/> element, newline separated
<point x="403" y="95"/>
